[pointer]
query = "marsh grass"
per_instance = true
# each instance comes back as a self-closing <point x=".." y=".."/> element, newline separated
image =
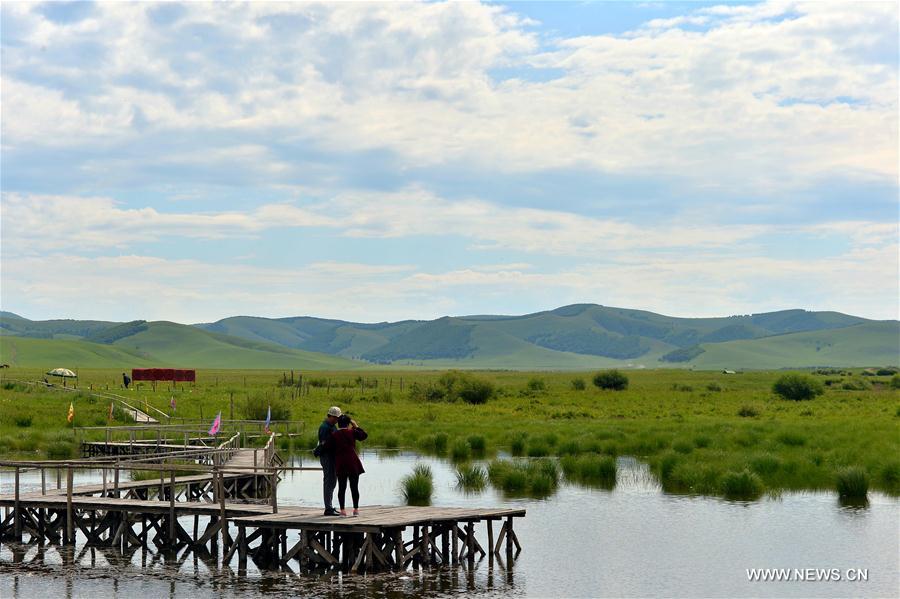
<point x="741" y="485"/>
<point x="535" y="478"/>
<point x="647" y="420"/>
<point x="591" y="469"/>
<point x="418" y="486"/>
<point x="852" y="482"/>
<point x="471" y="477"/>
<point x="460" y="450"/>
<point x="477" y="444"/>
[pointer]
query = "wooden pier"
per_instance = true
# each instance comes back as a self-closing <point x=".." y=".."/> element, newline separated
<point x="231" y="503"/>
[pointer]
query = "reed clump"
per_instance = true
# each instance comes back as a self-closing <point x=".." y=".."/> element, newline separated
<point x="852" y="482"/>
<point x="471" y="477"/>
<point x="418" y="486"/>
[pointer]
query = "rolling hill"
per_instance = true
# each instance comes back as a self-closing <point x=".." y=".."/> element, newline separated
<point x="579" y="336"/>
<point x="141" y="343"/>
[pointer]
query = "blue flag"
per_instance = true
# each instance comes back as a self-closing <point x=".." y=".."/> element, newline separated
<point x="268" y="419"/>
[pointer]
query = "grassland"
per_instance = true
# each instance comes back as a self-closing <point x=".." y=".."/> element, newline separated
<point x="704" y="433"/>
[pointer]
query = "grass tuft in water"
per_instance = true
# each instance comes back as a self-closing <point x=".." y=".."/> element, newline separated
<point x="536" y="478"/>
<point x="591" y="469"/>
<point x="471" y="477"/>
<point x="418" y="486"/>
<point x="852" y="482"/>
<point x="741" y="485"/>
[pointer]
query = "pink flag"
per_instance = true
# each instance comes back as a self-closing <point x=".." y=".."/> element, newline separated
<point x="214" y="429"/>
<point x="172" y="403"/>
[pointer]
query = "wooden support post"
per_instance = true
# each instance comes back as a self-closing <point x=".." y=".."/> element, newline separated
<point x="470" y="542"/>
<point x="490" y="527"/>
<point x="116" y="479"/>
<point x="43" y="482"/>
<point x="455" y="534"/>
<point x="172" y="539"/>
<point x="398" y="549"/>
<point x="17" y="513"/>
<point x="509" y="535"/>
<point x="222" y="519"/>
<point x="70" y="529"/>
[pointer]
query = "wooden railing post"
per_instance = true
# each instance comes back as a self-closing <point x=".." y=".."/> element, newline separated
<point x="43" y="481"/>
<point x="274" y="489"/>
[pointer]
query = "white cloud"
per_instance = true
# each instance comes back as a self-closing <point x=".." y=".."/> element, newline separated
<point x="756" y="98"/>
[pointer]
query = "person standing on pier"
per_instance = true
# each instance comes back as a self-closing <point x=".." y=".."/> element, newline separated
<point x="326" y="459"/>
<point x="347" y="464"/>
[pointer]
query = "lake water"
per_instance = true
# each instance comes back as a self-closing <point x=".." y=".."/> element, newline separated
<point x="632" y="541"/>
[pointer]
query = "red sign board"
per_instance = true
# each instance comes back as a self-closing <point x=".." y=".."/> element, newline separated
<point x="163" y="374"/>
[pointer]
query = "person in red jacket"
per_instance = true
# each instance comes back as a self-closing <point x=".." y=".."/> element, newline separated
<point x="347" y="465"/>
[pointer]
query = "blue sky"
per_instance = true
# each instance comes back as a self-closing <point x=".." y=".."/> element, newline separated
<point x="386" y="161"/>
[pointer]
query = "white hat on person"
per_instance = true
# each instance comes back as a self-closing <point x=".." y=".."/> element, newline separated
<point x="334" y="411"/>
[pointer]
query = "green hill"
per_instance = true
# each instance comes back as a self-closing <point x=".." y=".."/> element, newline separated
<point x="868" y="344"/>
<point x="579" y="336"/>
<point x="162" y="344"/>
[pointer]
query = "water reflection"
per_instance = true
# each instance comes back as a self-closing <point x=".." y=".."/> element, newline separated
<point x="631" y="540"/>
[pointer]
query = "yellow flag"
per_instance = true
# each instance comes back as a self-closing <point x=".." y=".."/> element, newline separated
<point x="71" y="415"/>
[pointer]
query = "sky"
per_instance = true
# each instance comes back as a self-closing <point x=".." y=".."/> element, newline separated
<point x="372" y="162"/>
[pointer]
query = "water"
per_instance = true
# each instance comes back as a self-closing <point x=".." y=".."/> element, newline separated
<point x="631" y="541"/>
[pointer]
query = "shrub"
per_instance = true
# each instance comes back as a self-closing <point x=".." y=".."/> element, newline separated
<point x="895" y="381"/>
<point x="476" y="391"/>
<point x="436" y="443"/>
<point x="855" y="385"/>
<point x="578" y="384"/>
<point x="852" y="482"/>
<point x="418" y="486"/>
<point x="611" y="379"/>
<point x="680" y="387"/>
<point x="391" y="441"/>
<point x="797" y="387"/>
<point x="453" y="386"/>
<point x="24" y="421"/>
<point x="471" y="477"/>
<point x="748" y="412"/>
<point x="715" y="387"/>
<point x="741" y="485"/>
<point x="536" y="385"/>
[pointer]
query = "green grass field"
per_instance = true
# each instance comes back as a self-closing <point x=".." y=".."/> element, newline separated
<point x="697" y="430"/>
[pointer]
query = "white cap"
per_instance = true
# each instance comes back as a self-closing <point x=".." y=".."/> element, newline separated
<point x="334" y="411"/>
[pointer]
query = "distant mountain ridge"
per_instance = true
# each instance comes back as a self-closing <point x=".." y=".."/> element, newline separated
<point x="570" y="337"/>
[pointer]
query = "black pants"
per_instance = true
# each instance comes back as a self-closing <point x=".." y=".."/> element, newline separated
<point x="354" y="489"/>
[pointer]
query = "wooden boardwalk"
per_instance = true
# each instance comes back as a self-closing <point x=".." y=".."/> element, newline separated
<point x="239" y="495"/>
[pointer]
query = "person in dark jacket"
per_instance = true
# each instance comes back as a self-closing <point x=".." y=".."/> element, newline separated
<point x="126" y="380"/>
<point x="326" y="458"/>
<point x="347" y="465"/>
